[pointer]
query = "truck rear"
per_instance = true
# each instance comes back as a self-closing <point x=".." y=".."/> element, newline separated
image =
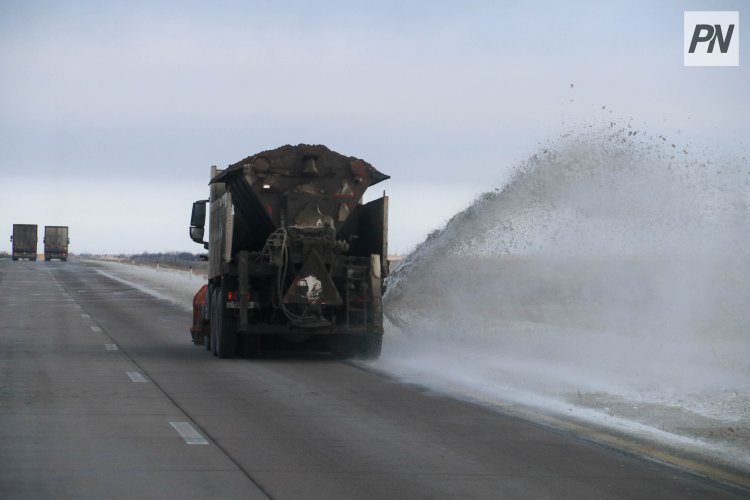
<point x="293" y="254"/>
<point x="56" y="242"/>
<point x="24" y="240"/>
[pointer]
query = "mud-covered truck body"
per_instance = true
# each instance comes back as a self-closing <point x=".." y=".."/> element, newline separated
<point x="56" y="242"/>
<point x="293" y="254"/>
<point x="24" y="240"/>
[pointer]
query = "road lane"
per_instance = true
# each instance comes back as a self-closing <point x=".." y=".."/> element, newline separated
<point x="301" y="427"/>
<point x="72" y="424"/>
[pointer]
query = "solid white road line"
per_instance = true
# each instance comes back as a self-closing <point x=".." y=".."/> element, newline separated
<point x="96" y="329"/>
<point x="110" y="347"/>
<point x="188" y="433"/>
<point x="136" y="377"/>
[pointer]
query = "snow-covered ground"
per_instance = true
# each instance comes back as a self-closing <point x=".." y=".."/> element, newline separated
<point x="174" y="285"/>
<point x="708" y="426"/>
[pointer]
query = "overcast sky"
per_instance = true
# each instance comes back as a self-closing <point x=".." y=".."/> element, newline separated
<point x="111" y="113"/>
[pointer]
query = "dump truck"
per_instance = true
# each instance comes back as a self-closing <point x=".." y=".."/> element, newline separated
<point x="293" y="254"/>
<point x="56" y="242"/>
<point x="24" y="239"/>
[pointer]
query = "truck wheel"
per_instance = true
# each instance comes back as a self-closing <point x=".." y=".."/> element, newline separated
<point x="207" y="328"/>
<point x="226" y="331"/>
<point x="370" y="346"/>
<point x="14" y="259"/>
<point x="212" y="322"/>
<point x="215" y="322"/>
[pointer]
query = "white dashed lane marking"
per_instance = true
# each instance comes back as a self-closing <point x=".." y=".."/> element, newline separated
<point x="84" y="315"/>
<point x="96" y="329"/>
<point x="188" y="433"/>
<point x="110" y="347"/>
<point x="136" y="377"/>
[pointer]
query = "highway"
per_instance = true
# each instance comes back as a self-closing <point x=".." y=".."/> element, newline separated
<point x="102" y="395"/>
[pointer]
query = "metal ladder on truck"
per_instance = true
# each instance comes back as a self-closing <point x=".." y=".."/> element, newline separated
<point x="356" y="294"/>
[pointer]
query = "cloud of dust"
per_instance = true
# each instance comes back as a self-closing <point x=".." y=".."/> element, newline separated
<point x="612" y="261"/>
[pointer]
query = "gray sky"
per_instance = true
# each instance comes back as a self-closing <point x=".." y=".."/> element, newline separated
<point x="112" y="112"/>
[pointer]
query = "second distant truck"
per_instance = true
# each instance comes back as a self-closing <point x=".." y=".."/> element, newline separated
<point x="56" y="242"/>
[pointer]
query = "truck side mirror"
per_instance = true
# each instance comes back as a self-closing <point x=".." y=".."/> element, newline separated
<point x="198" y="222"/>
<point x="198" y="217"/>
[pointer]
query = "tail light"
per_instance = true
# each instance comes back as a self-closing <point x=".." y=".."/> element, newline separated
<point x="232" y="296"/>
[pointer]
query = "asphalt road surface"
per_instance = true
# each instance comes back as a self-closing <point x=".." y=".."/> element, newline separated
<point x="103" y="396"/>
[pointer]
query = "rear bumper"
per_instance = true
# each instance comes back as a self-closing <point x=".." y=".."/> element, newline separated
<point x="24" y="255"/>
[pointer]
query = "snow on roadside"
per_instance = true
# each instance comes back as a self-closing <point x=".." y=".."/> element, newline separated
<point x="720" y="437"/>
<point x="174" y="285"/>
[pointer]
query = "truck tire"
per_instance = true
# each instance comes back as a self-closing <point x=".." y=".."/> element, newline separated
<point x="226" y="329"/>
<point x="15" y="259"/>
<point x="211" y="344"/>
<point x="207" y="327"/>
<point x="207" y="333"/>
<point x="370" y="346"/>
<point x="214" y="321"/>
<point x="207" y="338"/>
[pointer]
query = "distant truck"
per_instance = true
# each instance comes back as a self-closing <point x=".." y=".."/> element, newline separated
<point x="293" y="254"/>
<point x="56" y="242"/>
<point x="24" y="240"/>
